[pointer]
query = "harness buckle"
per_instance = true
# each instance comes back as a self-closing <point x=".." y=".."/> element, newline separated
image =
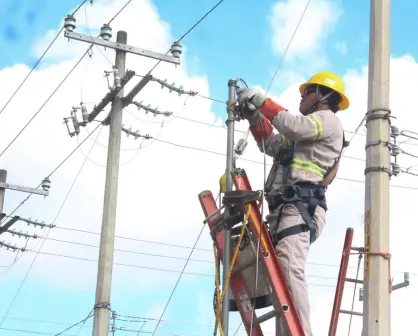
<point x="290" y="193"/>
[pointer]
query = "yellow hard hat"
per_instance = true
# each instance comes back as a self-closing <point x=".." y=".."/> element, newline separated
<point x="331" y="81"/>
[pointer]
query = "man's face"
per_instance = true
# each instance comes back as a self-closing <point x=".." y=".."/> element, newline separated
<point x="308" y="99"/>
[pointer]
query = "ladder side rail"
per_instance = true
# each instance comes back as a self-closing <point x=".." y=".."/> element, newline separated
<point x="271" y="263"/>
<point x="341" y="282"/>
<point x="242" y="299"/>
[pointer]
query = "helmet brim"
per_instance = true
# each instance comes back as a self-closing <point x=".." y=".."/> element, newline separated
<point x="344" y="103"/>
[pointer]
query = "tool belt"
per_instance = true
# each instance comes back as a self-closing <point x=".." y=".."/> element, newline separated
<point x="306" y="197"/>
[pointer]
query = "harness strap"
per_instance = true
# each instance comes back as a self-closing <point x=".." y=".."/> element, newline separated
<point x="308" y="217"/>
<point x="306" y="208"/>
<point x="330" y="175"/>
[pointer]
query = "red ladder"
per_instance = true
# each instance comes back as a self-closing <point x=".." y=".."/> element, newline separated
<point x="342" y="279"/>
<point x="270" y="266"/>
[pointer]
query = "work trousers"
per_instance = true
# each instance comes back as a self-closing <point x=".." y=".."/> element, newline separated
<point x="292" y="253"/>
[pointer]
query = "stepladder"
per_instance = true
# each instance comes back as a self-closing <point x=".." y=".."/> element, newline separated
<point x="342" y="279"/>
<point x="255" y="279"/>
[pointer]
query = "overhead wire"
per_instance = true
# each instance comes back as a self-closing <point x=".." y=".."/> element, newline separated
<point x="55" y="169"/>
<point x="171" y="245"/>
<point x="204" y="150"/>
<point x="61" y="83"/>
<point x="265" y="163"/>
<point x="178" y="281"/>
<point x="61" y="333"/>
<point x="56" y="217"/>
<point x="189" y="31"/>
<point x="82" y="322"/>
<point x="258" y="162"/>
<point x="39" y="60"/>
<point x="165" y="270"/>
<point x="152" y="69"/>
<point x="166" y="256"/>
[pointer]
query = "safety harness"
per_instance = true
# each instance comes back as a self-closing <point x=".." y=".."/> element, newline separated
<point x="305" y="196"/>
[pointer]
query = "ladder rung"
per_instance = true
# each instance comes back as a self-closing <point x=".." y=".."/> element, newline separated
<point x="349" y="312"/>
<point x="354" y="280"/>
<point x="267" y="316"/>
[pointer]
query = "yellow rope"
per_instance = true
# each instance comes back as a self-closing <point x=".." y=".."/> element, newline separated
<point x="220" y="298"/>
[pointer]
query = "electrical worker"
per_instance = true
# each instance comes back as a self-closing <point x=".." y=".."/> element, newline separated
<point x="306" y="154"/>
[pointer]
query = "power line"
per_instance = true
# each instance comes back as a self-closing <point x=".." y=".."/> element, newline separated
<point x="157" y="269"/>
<point x="138" y="332"/>
<point x="178" y="280"/>
<point x="60" y="84"/>
<point x="121" y="318"/>
<point x="39" y="60"/>
<point x="40" y="321"/>
<point x="33" y="332"/>
<point x="171" y="245"/>
<point x="76" y="324"/>
<point x="218" y="126"/>
<point x="189" y="31"/>
<point x="288" y="46"/>
<point x="40" y="247"/>
<point x="258" y="162"/>
<point x="56" y="168"/>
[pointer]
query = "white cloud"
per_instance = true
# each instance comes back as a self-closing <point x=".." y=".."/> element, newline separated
<point x="158" y="189"/>
<point x="318" y="21"/>
<point x="341" y="47"/>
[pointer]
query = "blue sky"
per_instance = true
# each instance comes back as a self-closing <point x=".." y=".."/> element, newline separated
<point x="233" y="41"/>
<point x="245" y="40"/>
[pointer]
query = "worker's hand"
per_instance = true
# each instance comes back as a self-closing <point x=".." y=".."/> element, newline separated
<point x="250" y="95"/>
<point x="250" y="113"/>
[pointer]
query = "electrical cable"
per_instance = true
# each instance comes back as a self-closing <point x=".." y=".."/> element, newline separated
<point x="78" y="62"/>
<point x="217" y="126"/>
<point x="61" y="83"/>
<point x="265" y="163"/>
<point x="178" y="280"/>
<point x="56" y="168"/>
<point x="56" y="217"/>
<point x="181" y="38"/>
<point x="257" y="255"/>
<point x="287" y="48"/>
<point x="43" y="105"/>
<point x="39" y="60"/>
<point x="168" y="245"/>
<point x="82" y="322"/>
<point x="188" y="32"/>
<point x="258" y="162"/>
<point x="97" y="47"/>
<point x="165" y="270"/>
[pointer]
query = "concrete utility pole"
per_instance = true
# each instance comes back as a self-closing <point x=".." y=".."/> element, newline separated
<point x="119" y="102"/>
<point x="3" y="177"/>
<point x="229" y="166"/>
<point x="107" y="238"/>
<point x="376" y="307"/>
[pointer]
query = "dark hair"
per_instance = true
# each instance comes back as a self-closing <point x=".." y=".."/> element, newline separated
<point x="333" y="100"/>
